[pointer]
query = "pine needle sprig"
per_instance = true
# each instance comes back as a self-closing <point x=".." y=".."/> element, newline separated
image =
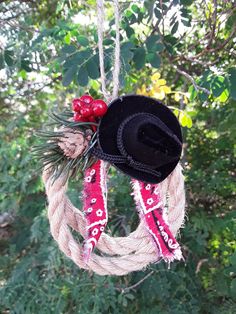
<point x="52" y="157"/>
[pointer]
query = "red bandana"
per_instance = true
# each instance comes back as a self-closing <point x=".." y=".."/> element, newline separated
<point x="149" y="206"/>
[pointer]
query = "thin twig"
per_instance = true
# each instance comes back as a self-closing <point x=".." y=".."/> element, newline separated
<point x="191" y="79"/>
<point x="124" y="290"/>
<point x="199" y="265"/>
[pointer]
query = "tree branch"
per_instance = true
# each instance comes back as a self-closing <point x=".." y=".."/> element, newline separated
<point x="191" y="79"/>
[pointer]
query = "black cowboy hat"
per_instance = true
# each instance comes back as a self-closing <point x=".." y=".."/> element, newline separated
<point x="141" y="137"/>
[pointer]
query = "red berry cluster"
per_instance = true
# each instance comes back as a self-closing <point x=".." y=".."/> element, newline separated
<point x="88" y="109"/>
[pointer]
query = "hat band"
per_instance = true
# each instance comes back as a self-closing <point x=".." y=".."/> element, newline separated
<point x="117" y="159"/>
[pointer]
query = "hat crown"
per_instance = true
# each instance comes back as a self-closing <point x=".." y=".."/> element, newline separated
<point x="145" y="148"/>
<point x="146" y="139"/>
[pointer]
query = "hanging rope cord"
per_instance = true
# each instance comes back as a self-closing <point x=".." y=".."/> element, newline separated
<point x="116" y="61"/>
<point x="122" y="254"/>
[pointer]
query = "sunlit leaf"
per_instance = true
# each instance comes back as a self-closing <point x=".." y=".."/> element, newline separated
<point x="67" y="39"/>
<point x="135" y="8"/>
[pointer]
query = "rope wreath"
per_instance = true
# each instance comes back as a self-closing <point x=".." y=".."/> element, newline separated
<point x="127" y="254"/>
<point x="117" y="255"/>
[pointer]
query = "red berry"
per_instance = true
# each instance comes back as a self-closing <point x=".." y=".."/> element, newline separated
<point x="92" y="119"/>
<point x="87" y="99"/>
<point x="77" y="104"/>
<point x="86" y="111"/>
<point x="78" y="117"/>
<point x="99" y="107"/>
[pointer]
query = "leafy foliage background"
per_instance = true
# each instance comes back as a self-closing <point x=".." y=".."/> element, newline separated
<point x="47" y="57"/>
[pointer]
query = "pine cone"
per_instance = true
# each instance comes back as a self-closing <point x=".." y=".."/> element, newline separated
<point x="74" y="143"/>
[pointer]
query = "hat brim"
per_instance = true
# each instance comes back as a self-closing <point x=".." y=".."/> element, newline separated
<point x="121" y="108"/>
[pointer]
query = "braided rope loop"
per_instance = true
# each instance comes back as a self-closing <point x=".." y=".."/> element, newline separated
<point x="126" y="254"/>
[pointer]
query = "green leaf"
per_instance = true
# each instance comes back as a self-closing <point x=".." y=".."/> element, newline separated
<point x="108" y="42"/>
<point x="124" y="24"/>
<point x="173" y="19"/>
<point x="69" y="76"/>
<point x="83" y="41"/>
<point x="68" y="49"/>
<point x="189" y="122"/>
<point x="232" y="259"/>
<point x="174" y="28"/>
<point x="159" y="47"/>
<point x="67" y="39"/>
<point x="193" y="93"/>
<point x="25" y="65"/>
<point x="232" y="81"/>
<point x="92" y="69"/>
<point x="154" y="59"/>
<point x="82" y="77"/>
<point x="86" y="53"/>
<point x="128" y="13"/>
<point x="60" y="6"/>
<point x="75" y="59"/>
<point x="2" y="65"/>
<point x="140" y="17"/>
<point x="202" y="96"/>
<point x="9" y="57"/>
<point x="129" y="31"/>
<point x="135" y="8"/>
<point x="112" y="22"/>
<point x="149" y="5"/>
<point x="23" y="74"/>
<point x="151" y="42"/>
<point x="183" y="119"/>
<point x="139" y="58"/>
<point x="127" y="45"/>
<point x="186" y="23"/>
<point x="233" y="288"/>
<point x="224" y="96"/>
<point x="218" y="85"/>
<point x="186" y="2"/>
<point x="158" y="14"/>
<point x="95" y="37"/>
<point x="127" y="55"/>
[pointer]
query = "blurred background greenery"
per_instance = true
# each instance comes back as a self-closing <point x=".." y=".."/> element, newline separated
<point x="180" y="51"/>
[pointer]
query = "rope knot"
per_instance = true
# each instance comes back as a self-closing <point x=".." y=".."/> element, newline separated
<point x="73" y="143"/>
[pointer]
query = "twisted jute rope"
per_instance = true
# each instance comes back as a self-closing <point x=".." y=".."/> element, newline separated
<point x="126" y="254"/>
<point x="118" y="255"/>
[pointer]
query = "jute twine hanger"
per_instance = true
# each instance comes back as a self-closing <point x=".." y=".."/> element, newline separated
<point x="118" y="255"/>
